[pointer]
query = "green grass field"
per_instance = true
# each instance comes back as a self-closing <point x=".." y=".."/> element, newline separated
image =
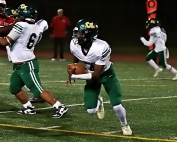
<point x="151" y="105"/>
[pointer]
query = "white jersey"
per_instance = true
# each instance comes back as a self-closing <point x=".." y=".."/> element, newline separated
<point x="25" y="36"/>
<point x="157" y="37"/>
<point x="99" y="54"/>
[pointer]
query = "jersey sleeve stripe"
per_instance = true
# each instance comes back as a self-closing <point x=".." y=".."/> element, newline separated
<point x="106" y="53"/>
<point x="17" y="25"/>
<point x="17" y="30"/>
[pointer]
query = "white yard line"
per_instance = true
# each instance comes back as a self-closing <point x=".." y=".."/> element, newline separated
<point x="50" y="127"/>
<point x="126" y="100"/>
<point x="112" y="132"/>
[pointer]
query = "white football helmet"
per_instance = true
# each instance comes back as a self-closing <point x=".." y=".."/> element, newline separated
<point x="2" y="6"/>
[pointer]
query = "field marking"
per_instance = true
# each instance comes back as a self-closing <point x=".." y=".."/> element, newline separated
<point x="112" y="132"/>
<point x="126" y="100"/>
<point x="64" y="81"/>
<point x="51" y="127"/>
<point x="137" y="85"/>
<point x="3" y="64"/>
<point x="88" y="133"/>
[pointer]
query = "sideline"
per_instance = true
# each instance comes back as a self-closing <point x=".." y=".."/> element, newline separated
<point x="89" y="133"/>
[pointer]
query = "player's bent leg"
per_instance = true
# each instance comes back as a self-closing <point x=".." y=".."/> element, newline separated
<point x="99" y="108"/>
<point x="149" y="60"/>
<point x="16" y="83"/>
<point x="32" y="80"/>
<point x="92" y="100"/>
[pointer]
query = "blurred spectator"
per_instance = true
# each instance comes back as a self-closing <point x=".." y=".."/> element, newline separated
<point x="59" y="29"/>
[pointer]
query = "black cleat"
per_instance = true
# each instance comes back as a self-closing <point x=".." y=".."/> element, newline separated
<point x="60" y="111"/>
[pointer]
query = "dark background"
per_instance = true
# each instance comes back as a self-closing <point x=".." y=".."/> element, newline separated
<point x="121" y="22"/>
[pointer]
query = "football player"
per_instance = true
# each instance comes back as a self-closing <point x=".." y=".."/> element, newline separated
<point x="158" y="38"/>
<point x="95" y="54"/>
<point x="22" y="39"/>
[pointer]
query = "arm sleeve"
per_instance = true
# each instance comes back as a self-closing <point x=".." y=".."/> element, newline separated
<point x="104" y="56"/>
<point x="151" y="41"/>
<point x="16" y="31"/>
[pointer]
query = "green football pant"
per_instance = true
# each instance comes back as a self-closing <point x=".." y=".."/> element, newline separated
<point x="161" y="55"/>
<point x="26" y="74"/>
<point x="111" y="84"/>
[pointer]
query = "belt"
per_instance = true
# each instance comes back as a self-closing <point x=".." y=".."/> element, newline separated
<point x="21" y="63"/>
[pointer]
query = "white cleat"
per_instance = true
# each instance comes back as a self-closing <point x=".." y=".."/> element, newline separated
<point x="157" y="72"/>
<point x="175" y="78"/>
<point x="100" y="111"/>
<point x="62" y="60"/>
<point x="53" y="59"/>
<point x="126" y="130"/>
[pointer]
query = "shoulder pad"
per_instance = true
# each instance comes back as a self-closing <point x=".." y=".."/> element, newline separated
<point x="155" y="31"/>
<point x="43" y="24"/>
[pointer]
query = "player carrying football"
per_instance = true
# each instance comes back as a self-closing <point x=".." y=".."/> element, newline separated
<point x="22" y="39"/>
<point x="158" y="38"/>
<point x="95" y="54"/>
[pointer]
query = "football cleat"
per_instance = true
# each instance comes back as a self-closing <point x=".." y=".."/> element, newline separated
<point x="157" y="72"/>
<point x="28" y="110"/>
<point x="60" y="111"/>
<point x="175" y="78"/>
<point x="53" y="59"/>
<point x="126" y="130"/>
<point x="100" y="111"/>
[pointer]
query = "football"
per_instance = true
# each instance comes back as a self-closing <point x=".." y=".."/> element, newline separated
<point x="80" y="68"/>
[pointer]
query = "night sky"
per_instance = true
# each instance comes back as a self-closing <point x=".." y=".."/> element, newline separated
<point x="118" y="20"/>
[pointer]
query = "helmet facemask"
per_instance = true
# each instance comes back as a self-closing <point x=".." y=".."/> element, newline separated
<point x="79" y="37"/>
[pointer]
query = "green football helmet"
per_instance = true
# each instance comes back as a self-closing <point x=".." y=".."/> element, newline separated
<point x="151" y="23"/>
<point x="27" y="12"/>
<point x="10" y="12"/>
<point x="84" y="31"/>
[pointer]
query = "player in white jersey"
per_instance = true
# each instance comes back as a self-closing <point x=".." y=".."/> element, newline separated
<point x="22" y="39"/>
<point x="95" y="54"/>
<point x="158" y="38"/>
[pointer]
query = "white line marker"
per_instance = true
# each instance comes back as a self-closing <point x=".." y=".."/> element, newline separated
<point x="2" y="64"/>
<point x="127" y="100"/>
<point x="112" y="132"/>
<point x="51" y="127"/>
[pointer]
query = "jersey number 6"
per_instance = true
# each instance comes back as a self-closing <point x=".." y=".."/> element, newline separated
<point x="32" y="40"/>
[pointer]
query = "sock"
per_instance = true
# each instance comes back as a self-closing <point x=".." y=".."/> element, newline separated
<point x="93" y="110"/>
<point x="98" y="104"/>
<point x="28" y="104"/>
<point x="171" y="69"/>
<point x="153" y="64"/>
<point x="57" y="104"/>
<point x="121" y="114"/>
